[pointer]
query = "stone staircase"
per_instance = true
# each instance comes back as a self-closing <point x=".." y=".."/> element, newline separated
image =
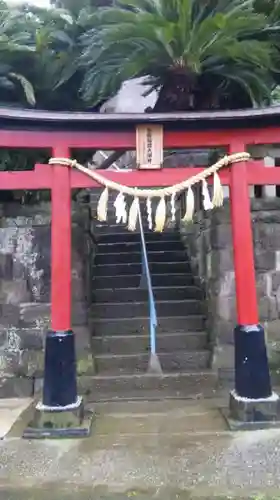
<point x="120" y="318"/>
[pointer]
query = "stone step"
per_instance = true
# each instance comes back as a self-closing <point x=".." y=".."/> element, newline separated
<point x="169" y="423"/>
<point x="111" y="211"/>
<point x="185" y="385"/>
<point x="132" y="326"/>
<point x="112" y="221"/>
<point x="132" y="269"/>
<point x="110" y="226"/>
<point x="134" y="344"/>
<point x="135" y="246"/>
<point x="128" y="281"/>
<point x="168" y="408"/>
<point x="120" y="364"/>
<point x="140" y="294"/>
<point x="138" y="309"/>
<point x="135" y="257"/>
<point x="111" y="214"/>
<point x="133" y="236"/>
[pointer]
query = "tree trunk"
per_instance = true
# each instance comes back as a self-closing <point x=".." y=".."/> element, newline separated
<point x="183" y="90"/>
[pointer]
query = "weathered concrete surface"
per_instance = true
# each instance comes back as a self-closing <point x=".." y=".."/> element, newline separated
<point x="145" y="450"/>
<point x="10" y="410"/>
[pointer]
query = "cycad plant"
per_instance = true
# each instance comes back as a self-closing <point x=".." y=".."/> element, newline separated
<point x="56" y="73"/>
<point x="16" y="51"/>
<point x="198" y="54"/>
<point x="55" y="34"/>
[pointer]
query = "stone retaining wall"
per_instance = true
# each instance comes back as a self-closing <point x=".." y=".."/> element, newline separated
<point x="25" y="267"/>
<point x="209" y="244"/>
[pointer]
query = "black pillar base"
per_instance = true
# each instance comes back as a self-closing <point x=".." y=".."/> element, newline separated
<point x="252" y="404"/>
<point x="72" y="421"/>
<point x="252" y="377"/>
<point x="61" y="413"/>
<point x="246" y="415"/>
<point x="60" y="379"/>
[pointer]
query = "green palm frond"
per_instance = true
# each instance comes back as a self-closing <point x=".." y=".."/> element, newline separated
<point x="26" y="86"/>
<point x="16" y="49"/>
<point x="176" y="39"/>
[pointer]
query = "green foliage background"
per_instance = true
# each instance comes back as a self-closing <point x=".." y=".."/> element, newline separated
<point x="198" y="54"/>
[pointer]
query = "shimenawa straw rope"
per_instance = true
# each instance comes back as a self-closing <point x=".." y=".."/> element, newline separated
<point x="162" y="193"/>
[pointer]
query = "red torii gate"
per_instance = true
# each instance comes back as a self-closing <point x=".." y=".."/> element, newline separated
<point x="29" y="129"/>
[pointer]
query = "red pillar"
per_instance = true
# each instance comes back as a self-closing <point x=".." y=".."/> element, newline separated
<point x="242" y="240"/>
<point x="60" y="378"/>
<point x="61" y="244"/>
<point x="252" y="378"/>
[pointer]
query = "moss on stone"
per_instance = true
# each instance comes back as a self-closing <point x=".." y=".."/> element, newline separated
<point x="86" y="364"/>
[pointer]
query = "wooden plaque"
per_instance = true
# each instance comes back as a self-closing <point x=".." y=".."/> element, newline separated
<point x="149" y="147"/>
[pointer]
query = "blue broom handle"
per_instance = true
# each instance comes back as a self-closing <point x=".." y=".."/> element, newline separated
<point x="146" y="272"/>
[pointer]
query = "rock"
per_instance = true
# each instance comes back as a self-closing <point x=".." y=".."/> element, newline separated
<point x="25" y="275"/>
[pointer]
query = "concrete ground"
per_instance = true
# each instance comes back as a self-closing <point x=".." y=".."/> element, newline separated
<point x="165" y="450"/>
<point x="10" y="411"/>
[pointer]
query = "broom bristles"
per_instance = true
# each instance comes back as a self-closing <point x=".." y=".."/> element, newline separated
<point x="154" y="366"/>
